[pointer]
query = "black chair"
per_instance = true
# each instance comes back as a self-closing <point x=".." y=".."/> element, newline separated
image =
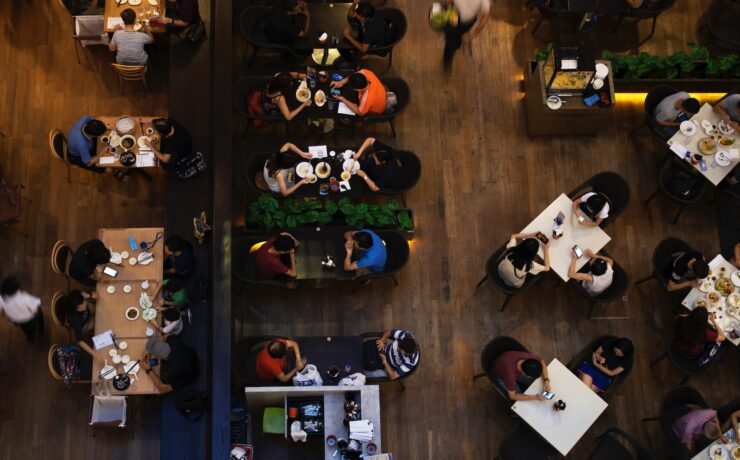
<point x="403" y="94"/>
<point x="653" y="98"/>
<point x="397" y="255"/>
<point x="251" y="24"/>
<point x="398" y="23"/>
<point x="244" y="367"/>
<point x="256" y="165"/>
<point x="611" y="185"/>
<point x="722" y="20"/>
<point x="724" y="413"/>
<point x="411" y="167"/>
<point x="585" y="355"/>
<point x="492" y="274"/>
<point x="373" y="336"/>
<point x="688" y="366"/>
<point x="673" y="407"/>
<point x="671" y="169"/>
<point x="546" y="12"/>
<point x="491" y="351"/>
<point x="524" y="444"/>
<point x="240" y="93"/>
<point x="662" y="254"/>
<point x="644" y="12"/>
<point x="243" y="265"/>
<point x="615" y="444"/>
<point x="616" y="291"/>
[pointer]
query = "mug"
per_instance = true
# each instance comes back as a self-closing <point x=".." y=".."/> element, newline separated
<point x="598" y="83"/>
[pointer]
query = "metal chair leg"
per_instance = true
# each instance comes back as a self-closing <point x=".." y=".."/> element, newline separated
<point x="483" y="280"/>
<point x="506" y="302"/>
<point x="660" y="358"/>
<point x="477" y="376"/>
<point x="650" y="35"/>
<point x="650" y="198"/>
<point x="685" y="379"/>
<point x="678" y="214"/>
<point x="403" y="387"/>
<point x="393" y="128"/>
<point x="645" y="279"/>
<point x="591" y="310"/>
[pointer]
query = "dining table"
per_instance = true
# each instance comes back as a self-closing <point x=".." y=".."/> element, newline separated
<point x="708" y="452"/>
<point x="109" y="143"/>
<point x="344" y="352"/>
<point x="681" y="144"/>
<point x="574" y="233"/>
<point x="331" y="108"/>
<point x="117" y="295"/>
<point x="316" y="244"/>
<point x="329" y="18"/>
<point x="145" y="10"/>
<point x="338" y="160"/>
<point x="561" y="428"/>
<point x="727" y="308"/>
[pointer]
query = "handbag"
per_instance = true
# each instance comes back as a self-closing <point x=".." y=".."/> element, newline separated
<point x="711" y="353"/>
<point x="307" y="377"/>
<point x="194" y="33"/>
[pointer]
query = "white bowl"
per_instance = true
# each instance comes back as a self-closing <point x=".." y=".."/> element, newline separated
<point x="112" y="352"/>
<point x="122" y="345"/>
<point x="124" y="254"/>
<point x="598" y="83"/>
<point x="110" y="289"/>
<point x="117" y="359"/>
<point x="132" y="261"/>
<point x="125" y="359"/>
<point x="127" y="288"/>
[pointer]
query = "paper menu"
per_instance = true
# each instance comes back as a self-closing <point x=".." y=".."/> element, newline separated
<point x="317" y="151"/>
<point x="678" y="149"/>
<point x="344" y="110"/>
<point x="106" y="160"/>
<point x="145" y="159"/>
<point x="114" y="21"/>
<point x="102" y="340"/>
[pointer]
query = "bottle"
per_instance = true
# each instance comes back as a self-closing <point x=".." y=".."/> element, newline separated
<point x="333" y="185"/>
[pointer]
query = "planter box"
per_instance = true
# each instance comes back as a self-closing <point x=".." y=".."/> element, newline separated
<point x="337" y="221"/>
<point x="691" y="85"/>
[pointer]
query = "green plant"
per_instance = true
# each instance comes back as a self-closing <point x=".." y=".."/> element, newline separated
<point x="619" y="62"/>
<point x="542" y="55"/>
<point x="645" y="65"/>
<point x="375" y="215"/>
<point x="723" y="64"/>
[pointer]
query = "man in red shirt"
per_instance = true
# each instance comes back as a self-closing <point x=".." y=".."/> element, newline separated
<point x="371" y="93"/>
<point x="269" y="259"/>
<point x="276" y="358"/>
<point x="511" y="365"/>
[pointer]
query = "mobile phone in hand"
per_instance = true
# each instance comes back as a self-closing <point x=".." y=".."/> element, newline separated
<point x="547" y="395"/>
<point x="541" y="236"/>
<point x="110" y="272"/>
<point x="577" y="251"/>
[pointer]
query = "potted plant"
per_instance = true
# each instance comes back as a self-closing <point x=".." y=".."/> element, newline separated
<point x="386" y="215"/>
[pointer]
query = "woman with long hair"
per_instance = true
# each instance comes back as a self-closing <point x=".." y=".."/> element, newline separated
<point x="693" y="333"/>
<point x="273" y="96"/>
<point x="279" y="171"/>
<point x="520" y="260"/>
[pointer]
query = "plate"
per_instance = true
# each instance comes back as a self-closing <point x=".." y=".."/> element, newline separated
<point x="145" y="258"/>
<point x="714" y="298"/>
<point x="127" y="288"/>
<point x="602" y="70"/>
<point x="122" y="345"/>
<point x="323" y="170"/>
<point x="707" y="146"/>
<point x="108" y="372"/>
<point x="721" y="158"/>
<point x="124" y="254"/>
<point x="726" y="141"/>
<point x="717" y="452"/>
<point x="688" y="128"/>
<point x="131" y="367"/>
<point x="149" y="332"/>
<point x="735" y="277"/>
<point x="132" y="313"/>
<point x="145" y="301"/>
<point x="138" y="26"/>
<point x="142" y="141"/>
<point x="700" y="302"/>
<point x="149" y="314"/>
<point x="733" y="300"/>
<point x="302" y="94"/>
<point x="706" y="285"/>
<point x="125" y="359"/>
<point x="134" y="2"/>
<point x="115" y="140"/>
<point x="112" y="352"/>
<point x="351" y="165"/>
<point x="725" y="128"/>
<point x="154" y="2"/>
<point x="724" y="286"/>
<point x="128" y="142"/>
<point x="304" y="169"/>
<point x="706" y="125"/>
<point x="319" y="98"/>
<point x="125" y="125"/>
<point x="132" y="261"/>
<point x="110" y="289"/>
<point x="554" y="102"/>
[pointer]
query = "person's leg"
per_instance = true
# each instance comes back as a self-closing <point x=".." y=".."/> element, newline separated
<point x="39" y="319"/>
<point x="29" y="329"/>
<point x="453" y="41"/>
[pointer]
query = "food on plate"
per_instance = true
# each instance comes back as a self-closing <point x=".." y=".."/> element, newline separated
<point x="320" y="98"/>
<point x="736" y="453"/>
<point x="724" y="286"/>
<point x="304" y="169"/>
<point x="688" y="128"/>
<point x="303" y="94"/>
<point x="125" y="125"/>
<point x="714" y="297"/>
<point x="149" y="314"/>
<point x="707" y="146"/>
<point x="726" y="141"/>
<point x="716" y="453"/>
<point x="323" y="170"/>
<point x="733" y="300"/>
<point x="132" y="313"/>
<point x="700" y="303"/>
<point x="725" y="128"/>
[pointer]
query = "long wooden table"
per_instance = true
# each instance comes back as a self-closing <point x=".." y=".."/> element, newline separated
<point x="110" y="308"/>
<point x="143" y="11"/>
<point x="140" y="126"/>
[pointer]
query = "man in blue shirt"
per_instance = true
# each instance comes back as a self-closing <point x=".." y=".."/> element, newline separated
<point x="81" y="143"/>
<point x="371" y="251"/>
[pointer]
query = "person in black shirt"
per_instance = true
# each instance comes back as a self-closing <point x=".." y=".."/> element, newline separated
<point x="175" y="142"/>
<point x="179" y="260"/>
<point x="371" y="30"/>
<point x="283" y="24"/>
<point x="81" y="317"/>
<point x="684" y="269"/>
<point x="610" y="358"/>
<point x="380" y="169"/>
<point x="88" y="262"/>
<point x="181" y="368"/>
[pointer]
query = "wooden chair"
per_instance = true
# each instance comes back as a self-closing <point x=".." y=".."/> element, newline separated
<point x="131" y="73"/>
<point x="58" y="148"/>
<point x="53" y="364"/>
<point x="61" y="256"/>
<point x="85" y="364"/>
<point x="59" y="311"/>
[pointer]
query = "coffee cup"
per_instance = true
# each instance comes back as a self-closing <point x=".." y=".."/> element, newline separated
<point x="598" y="83"/>
<point x="346" y="175"/>
<point x="105" y="139"/>
<point x="116" y="359"/>
<point x="145" y="284"/>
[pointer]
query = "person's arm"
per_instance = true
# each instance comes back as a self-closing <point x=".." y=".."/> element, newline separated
<point x="296" y="349"/>
<point x="161" y="386"/>
<point x="368" y="143"/>
<point x="673" y="286"/>
<point x="95" y="158"/>
<point x="348" y="264"/>
<point x="287" y="113"/>
<point x="594" y="255"/>
<point x="545" y="376"/>
<point x="667" y="123"/>
<point x="295" y="240"/>
<point x="157" y="290"/>
<point x="593" y="223"/>
<point x="393" y="375"/>
<point x="721" y="112"/>
<point x="340" y="83"/>
<point x="514" y="396"/>
<point x="113" y="44"/>
<point x="720" y="333"/>
<point x="285" y="191"/>
<point x="480" y="24"/>
<point x="285" y="378"/>
<point x="547" y="256"/>
<point x="735" y="420"/>
<point x="370" y="183"/>
<point x="292" y="147"/>
<point x="149" y="35"/>
<point x="736" y="259"/>
<point x="363" y="47"/>
<point x="351" y="105"/>
<point x="292" y="271"/>
<point x="163" y="157"/>
<point x="307" y="26"/>
<point x="574" y="274"/>
<point x="84" y="346"/>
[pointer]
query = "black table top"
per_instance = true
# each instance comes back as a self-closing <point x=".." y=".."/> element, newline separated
<point x="598" y="6"/>
<point x="330" y="109"/>
<point x="356" y="183"/>
<point x="317" y="245"/>
<point x="345" y="352"/>
<point x="325" y="17"/>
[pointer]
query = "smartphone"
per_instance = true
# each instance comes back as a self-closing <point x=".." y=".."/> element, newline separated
<point x="560" y="218"/>
<point x="581" y="219"/>
<point x="110" y="272"/>
<point x="153" y="362"/>
<point x="541" y="236"/>
<point x="547" y="395"/>
<point x="578" y="252"/>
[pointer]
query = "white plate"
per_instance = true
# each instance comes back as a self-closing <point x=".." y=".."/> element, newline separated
<point x="302" y="94"/>
<point x="145" y="284"/>
<point x="109" y="370"/>
<point x="706" y="125"/>
<point x="717" y="452"/>
<point x="602" y="70"/>
<point x="725" y="128"/>
<point x="733" y="300"/>
<point x="124" y="254"/>
<point x="122" y="345"/>
<point x="132" y="261"/>
<point x="304" y="169"/>
<point x="688" y="128"/>
<point x="149" y="332"/>
<point x="144" y="300"/>
<point x="554" y="102"/>
<point x="718" y="303"/>
<point x="116" y="359"/>
<point x="112" y="352"/>
<point x="149" y="314"/>
<point x="110" y="289"/>
<point x="138" y="26"/>
<point x="134" y="2"/>
<point x="125" y="359"/>
<point x="735" y="277"/>
<point x="125" y="125"/>
<point x="125" y="313"/>
<point x="142" y="141"/>
<point x="127" y="288"/>
<point x="351" y="165"/>
<point x="706" y="285"/>
<point x="131" y="367"/>
<point x="327" y="170"/>
<point x="319" y="98"/>
<point x="721" y="158"/>
<point x="115" y="140"/>
<point x="154" y="2"/>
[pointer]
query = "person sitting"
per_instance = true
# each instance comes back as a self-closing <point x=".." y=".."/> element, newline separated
<point x="394" y="355"/>
<point x="279" y="360"/>
<point x="514" y="367"/>
<point x="728" y="109"/>
<point x="21" y="308"/>
<point x="270" y="259"/>
<point x="591" y="209"/>
<point x="82" y="140"/>
<point x="372" y="251"/>
<point x="599" y="275"/>
<point x="127" y="43"/>
<point x="81" y="318"/>
<point x="279" y="172"/>
<point x="697" y="429"/>
<point x="371" y="29"/>
<point x="174" y="293"/>
<point x="182" y="13"/>
<point x="179" y="365"/>
<point x="693" y="335"/>
<point x="735" y="259"/>
<point x="273" y="97"/>
<point x="172" y="320"/>
<point x="685" y="269"/>
<point x="283" y="24"/>
<point x="610" y="358"/>
<point x="88" y="262"/>
<point x="179" y="260"/>
<point x="371" y="93"/>
<point x="380" y="169"/>
<point x="673" y="109"/>
<point x="174" y="142"/>
<point x="519" y="260"/>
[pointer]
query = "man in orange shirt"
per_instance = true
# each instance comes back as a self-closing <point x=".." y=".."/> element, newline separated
<point x="278" y="356"/>
<point x="371" y="93"/>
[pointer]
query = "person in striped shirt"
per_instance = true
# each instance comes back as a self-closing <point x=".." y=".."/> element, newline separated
<point x="399" y="353"/>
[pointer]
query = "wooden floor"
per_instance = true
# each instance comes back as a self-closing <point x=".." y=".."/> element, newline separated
<point x="484" y="179"/>
<point x="43" y="87"/>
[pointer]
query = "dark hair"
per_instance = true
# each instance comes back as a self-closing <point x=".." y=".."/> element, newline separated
<point x="593" y="205"/>
<point x="692" y="328"/>
<point x="365" y="9"/>
<point x="10" y="286"/>
<point x="284" y="243"/>
<point x="94" y="127"/>
<point x="286" y="5"/>
<point x="171" y="314"/>
<point x="691" y="105"/>
<point x="357" y="81"/>
<point x="384" y="156"/>
<point x="162" y="125"/>
<point x="129" y="16"/>
<point x="281" y="160"/>
<point x="174" y="285"/>
<point x="625" y="345"/>
<point x="364" y="240"/>
<point x="522" y="255"/>
<point x="532" y="368"/>
<point x="700" y="269"/>
<point x="277" y="349"/>
<point x="280" y="83"/>
<point x="598" y="267"/>
<point x="408" y="345"/>
<point x="98" y="254"/>
<point x="75" y="298"/>
<point x="173" y="243"/>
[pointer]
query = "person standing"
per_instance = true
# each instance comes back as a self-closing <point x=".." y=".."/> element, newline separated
<point x="472" y="14"/>
<point x="21" y="308"/>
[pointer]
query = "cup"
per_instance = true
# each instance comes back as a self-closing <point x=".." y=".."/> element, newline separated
<point x="598" y="83"/>
<point x="149" y="131"/>
<point x="371" y="448"/>
<point x="145" y="284"/>
<point x="313" y="178"/>
<point x="105" y="139"/>
<point x="331" y="440"/>
<point x="346" y="175"/>
<point x="149" y="332"/>
<point x="116" y="359"/>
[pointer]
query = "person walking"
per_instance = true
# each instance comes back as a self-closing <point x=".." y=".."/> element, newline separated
<point x="472" y="14"/>
<point x="21" y="308"/>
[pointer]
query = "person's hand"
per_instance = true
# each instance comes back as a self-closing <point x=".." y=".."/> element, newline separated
<point x="539" y="397"/>
<point x="361" y="173"/>
<point x="349" y="246"/>
<point x="99" y="269"/>
<point x="117" y="27"/>
<point x="337" y="84"/>
<point x="307" y="103"/>
<point x="590" y="253"/>
<point x="547" y="245"/>
<point x="145" y="363"/>
<point x="305" y="181"/>
<point x="347" y="33"/>
<point x="381" y="346"/>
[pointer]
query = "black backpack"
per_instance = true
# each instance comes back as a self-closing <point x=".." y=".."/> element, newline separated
<point x="191" y="404"/>
<point x="191" y="166"/>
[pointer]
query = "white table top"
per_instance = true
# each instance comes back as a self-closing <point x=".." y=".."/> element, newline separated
<point x="704" y="454"/>
<point x="564" y="428"/>
<point x="714" y="173"/>
<point x="723" y="319"/>
<point x="593" y="238"/>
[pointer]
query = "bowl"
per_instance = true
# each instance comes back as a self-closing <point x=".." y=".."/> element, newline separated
<point x="132" y="261"/>
<point x="132" y="313"/>
<point x="122" y="345"/>
<point x="112" y="352"/>
<point x="128" y="142"/>
<point x="125" y="124"/>
<point x="346" y="175"/>
<point x="116" y="359"/>
<point x="125" y="359"/>
<point x="127" y="288"/>
<point x="110" y="289"/>
<point x="323" y="170"/>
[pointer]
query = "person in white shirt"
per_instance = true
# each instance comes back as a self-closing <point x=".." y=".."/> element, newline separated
<point x="21" y="308"/>
<point x="591" y="209"/>
<point x="172" y="322"/>
<point x="519" y="260"/>
<point x="599" y="276"/>
<point x="674" y="109"/>
<point x="472" y="14"/>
